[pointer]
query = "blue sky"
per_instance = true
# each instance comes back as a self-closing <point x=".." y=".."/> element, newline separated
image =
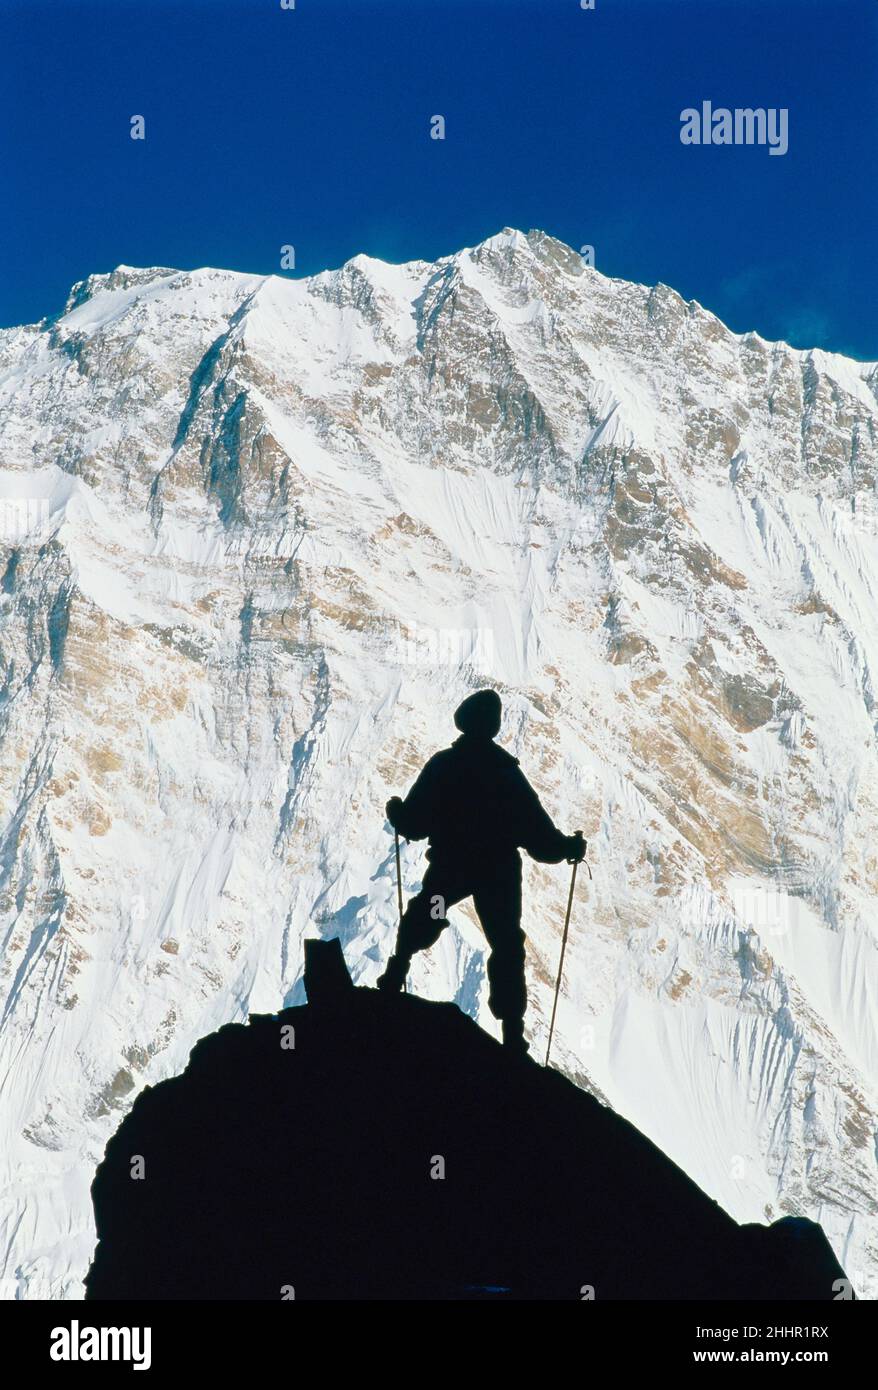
<point x="310" y="127"/>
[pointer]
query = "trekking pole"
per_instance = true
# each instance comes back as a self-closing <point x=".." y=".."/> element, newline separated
<point x="399" y="889"/>
<point x="575" y="863"/>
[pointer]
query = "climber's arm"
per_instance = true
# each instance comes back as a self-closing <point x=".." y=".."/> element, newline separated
<point x="413" y="816"/>
<point x="538" y="833"/>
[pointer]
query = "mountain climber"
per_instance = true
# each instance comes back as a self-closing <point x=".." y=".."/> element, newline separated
<point x="477" y="808"/>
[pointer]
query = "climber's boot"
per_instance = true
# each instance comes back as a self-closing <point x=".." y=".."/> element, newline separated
<point x="513" y="1037"/>
<point x="393" y="979"/>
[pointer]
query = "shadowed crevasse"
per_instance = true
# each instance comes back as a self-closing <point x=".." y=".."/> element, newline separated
<point x="313" y="1170"/>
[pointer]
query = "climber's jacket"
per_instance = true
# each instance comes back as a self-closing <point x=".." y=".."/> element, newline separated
<point x="473" y="801"/>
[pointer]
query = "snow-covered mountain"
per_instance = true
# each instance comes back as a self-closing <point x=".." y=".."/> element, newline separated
<point x="260" y="536"/>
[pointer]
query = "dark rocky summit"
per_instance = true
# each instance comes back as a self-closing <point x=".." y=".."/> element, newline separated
<point x="389" y="1149"/>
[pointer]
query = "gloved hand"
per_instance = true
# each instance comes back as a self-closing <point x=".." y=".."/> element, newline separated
<point x="392" y="811"/>
<point x="576" y="847"/>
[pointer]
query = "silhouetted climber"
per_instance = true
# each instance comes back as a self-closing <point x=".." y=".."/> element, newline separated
<point x="477" y="808"/>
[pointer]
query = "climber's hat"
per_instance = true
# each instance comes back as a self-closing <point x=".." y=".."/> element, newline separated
<point x="479" y="714"/>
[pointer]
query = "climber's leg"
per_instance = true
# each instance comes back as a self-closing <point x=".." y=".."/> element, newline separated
<point x="497" y="899"/>
<point x="422" y="923"/>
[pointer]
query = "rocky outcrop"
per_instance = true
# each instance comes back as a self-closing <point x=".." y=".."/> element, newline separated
<point x="365" y="1147"/>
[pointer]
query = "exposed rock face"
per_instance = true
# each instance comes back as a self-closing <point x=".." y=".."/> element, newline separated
<point x="389" y="1149"/>
<point x="259" y="537"/>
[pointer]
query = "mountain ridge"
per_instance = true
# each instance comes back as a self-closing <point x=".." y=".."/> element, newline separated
<point x="128" y="276"/>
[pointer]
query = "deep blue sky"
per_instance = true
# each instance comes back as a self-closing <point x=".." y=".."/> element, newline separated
<point x="310" y="127"/>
